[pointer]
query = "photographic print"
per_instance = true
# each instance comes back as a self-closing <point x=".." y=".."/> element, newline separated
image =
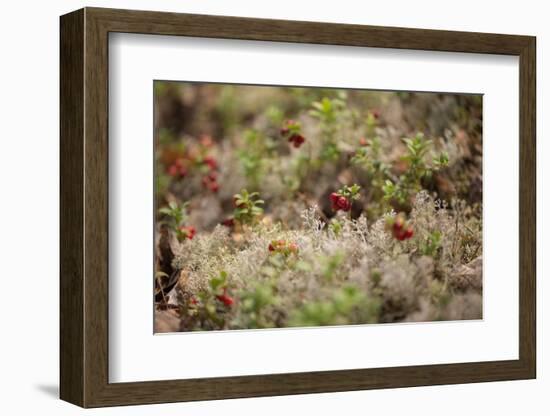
<point x="284" y="206"/>
<point x="291" y="212"/>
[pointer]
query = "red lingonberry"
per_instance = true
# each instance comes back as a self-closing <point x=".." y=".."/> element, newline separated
<point x="339" y="202"/>
<point x="363" y="141"/>
<point x="209" y="182"/>
<point x="177" y="168"/>
<point x="297" y="140"/>
<point x="173" y="170"/>
<point x="188" y="232"/>
<point x="211" y="162"/>
<point x="183" y="171"/>
<point x="399" y="227"/>
<point x="229" y="222"/>
<point x="343" y="203"/>
<point x="214" y="187"/>
<point x="225" y="298"/>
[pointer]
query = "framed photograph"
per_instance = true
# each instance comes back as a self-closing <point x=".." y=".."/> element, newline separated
<point x="255" y="207"/>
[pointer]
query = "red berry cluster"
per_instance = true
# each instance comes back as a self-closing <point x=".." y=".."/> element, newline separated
<point x="399" y="227"/>
<point x="210" y="162"/>
<point x="225" y="298"/>
<point x="187" y="232"/>
<point x="283" y="247"/>
<point x="210" y="180"/>
<point x="178" y="169"/>
<point x="291" y="129"/>
<point x="339" y="202"/>
<point x="297" y="140"/>
<point x="197" y="158"/>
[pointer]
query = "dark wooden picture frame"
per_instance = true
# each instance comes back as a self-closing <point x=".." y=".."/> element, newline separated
<point x="84" y="207"/>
